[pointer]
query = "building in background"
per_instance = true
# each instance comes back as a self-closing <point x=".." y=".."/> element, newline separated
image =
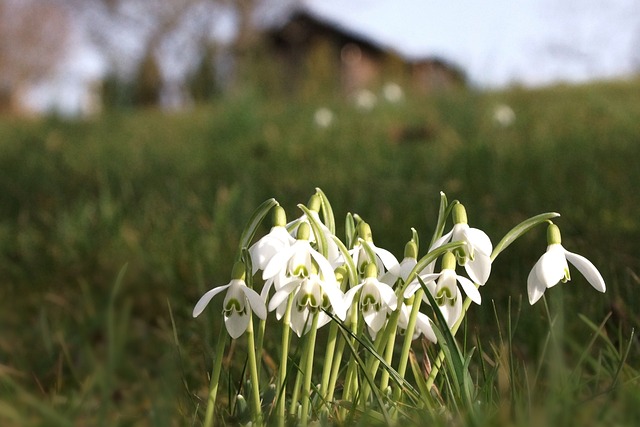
<point x="309" y="47"/>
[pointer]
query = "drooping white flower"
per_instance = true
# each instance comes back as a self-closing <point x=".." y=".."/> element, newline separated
<point x="444" y="288"/>
<point x="552" y="268"/>
<point x="475" y="255"/>
<point x="398" y="275"/>
<point x="295" y="262"/>
<point x="383" y="260"/>
<point x="334" y="256"/>
<point x="423" y="323"/>
<point x="376" y="301"/>
<point x="311" y="295"/>
<point x="239" y="301"/>
<point x="402" y="270"/>
<point x="268" y="246"/>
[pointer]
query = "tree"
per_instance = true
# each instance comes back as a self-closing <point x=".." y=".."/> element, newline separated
<point x="34" y="36"/>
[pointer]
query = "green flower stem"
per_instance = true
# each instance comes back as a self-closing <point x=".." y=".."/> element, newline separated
<point x="282" y="371"/>
<point x="335" y="368"/>
<point x="308" y="369"/>
<point x="440" y="357"/>
<point x="295" y="394"/>
<point x="388" y="356"/>
<point x="262" y="324"/>
<point x="408" y="338"/>
<point x="379" y="344"/>
<point x="253" y="373"/>
<point x="328" y="358"/>
<point x="351" y="384"/>
<point x="351" y="379"/>
<point x="215" y="377"/>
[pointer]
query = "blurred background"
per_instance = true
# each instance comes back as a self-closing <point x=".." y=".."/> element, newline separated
<point x="75" y="57"/>
<point x="138" y="136"/>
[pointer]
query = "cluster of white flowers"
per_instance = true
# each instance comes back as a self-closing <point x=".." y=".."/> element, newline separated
<point x="298" y="262"/>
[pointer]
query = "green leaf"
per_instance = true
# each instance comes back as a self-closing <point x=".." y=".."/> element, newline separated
<point x="350" y="265"/>
<point x="443" y="213"/>
<point x="417" y="374"/>
<point x="363" y="370"/>
<point x="350" y="230"/>
<point x="415" y="238"/>
<point x="316" y="226"/>
<point x="254" y="222"/>
<point x="454" y="360"/>
<point x="369" y="250"/>
<point x="408" y="388"/>
<point x="327" y="212"/>
<point x="519" y="230"/>
<point x="245" y="256"/>
<point x="428" y="259"/>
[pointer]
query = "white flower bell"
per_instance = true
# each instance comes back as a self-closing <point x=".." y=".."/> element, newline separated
<point x="238" y="302"/>
<point x="443" y="286"/>
<point x="377" y="299"/>
<point x="475" y="255"/>
<point x="552" y="268"/>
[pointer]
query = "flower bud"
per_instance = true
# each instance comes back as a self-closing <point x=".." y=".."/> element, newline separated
<point x="341" y="275"/>
<point x="448" y="261"/>
<point x="553" y="234"/>
<point x="315" y="202"/>
<point x="238" y="272"/>
<point x="411" y="250"/>
<point x="304" y="231"/>
<point x="279" y="216"/>
<point x="364" y="231"/>
<point x="459" y="214"/>
<point x="371" y="270"/>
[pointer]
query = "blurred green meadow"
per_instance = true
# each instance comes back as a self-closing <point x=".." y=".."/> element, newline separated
<point x="112" y="228"/>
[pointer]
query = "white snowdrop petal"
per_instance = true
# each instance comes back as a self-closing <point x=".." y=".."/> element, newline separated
<point x="587" y="269"/>
<point x="204" y="299"/>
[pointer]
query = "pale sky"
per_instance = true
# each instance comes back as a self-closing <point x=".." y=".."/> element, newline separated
<point x="499" y="42"/>
<point x="496" y="42"/>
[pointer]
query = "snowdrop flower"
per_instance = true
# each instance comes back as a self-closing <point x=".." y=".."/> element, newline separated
<point x="295" y="262"/>
<point x="384" y="260"/>
<point x="475" y="256"/>
<point x="311" y="295"/>
<point x="377" y="299"/>
<point x="398" y="275"/>
<point x="423" y="324"/>
<point x="552" y="268"/>
<point x="237" y="303"/>
<point x="443" y="286"/>
<point x="333" y="253"/>
<point x="401" y="271"/>
<point x="272" y="243"/>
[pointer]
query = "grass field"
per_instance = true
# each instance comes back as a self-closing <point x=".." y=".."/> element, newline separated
<point x="162" y="199"/>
